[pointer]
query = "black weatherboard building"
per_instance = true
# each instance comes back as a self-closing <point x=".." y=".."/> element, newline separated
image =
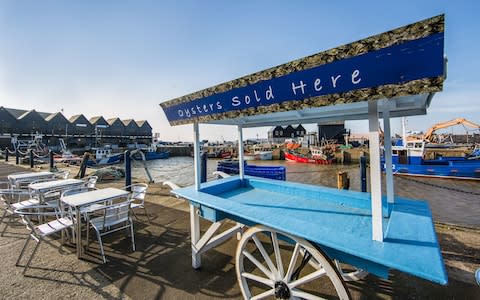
<point x="8" y="122"/>
<point x="76" y="131"/>
<point x="279" y="134"/>
<point x="332" y="131"/>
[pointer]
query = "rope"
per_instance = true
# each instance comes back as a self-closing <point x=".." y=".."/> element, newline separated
<point x="22" y="153"/>
<point x="10" y="152"/>
<point x="442" y="187"/>
<point x="39" y="156"/>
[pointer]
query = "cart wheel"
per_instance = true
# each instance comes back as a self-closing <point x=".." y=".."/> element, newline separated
<point x="269" y="268"/>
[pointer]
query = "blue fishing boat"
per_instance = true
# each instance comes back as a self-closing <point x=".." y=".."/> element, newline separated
<point x="409" y="159"/>
<point x="271" y="172"/>
<point x="151" y="153"/>
<point x="104" y="156"/>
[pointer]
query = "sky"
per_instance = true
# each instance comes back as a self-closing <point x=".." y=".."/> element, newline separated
<point x="123" y="58"/>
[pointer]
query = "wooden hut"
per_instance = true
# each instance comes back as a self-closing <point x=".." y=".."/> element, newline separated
<point x="8" y="122"/>
<point x="115" y="127"/>
<point x="144" y="129"/>
<point x="80" y="126"/>
<point x="31" y="122"/>
<point x="275" y="135"/>
<point x="300" y="131"/>
<point x="131" y="127"/>
<point x="57" y="124"/>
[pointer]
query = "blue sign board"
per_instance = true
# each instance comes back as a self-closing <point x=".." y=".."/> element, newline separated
<point x="411" y="60"/>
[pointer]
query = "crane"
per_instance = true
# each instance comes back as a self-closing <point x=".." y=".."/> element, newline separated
<point x="430" y="137"/>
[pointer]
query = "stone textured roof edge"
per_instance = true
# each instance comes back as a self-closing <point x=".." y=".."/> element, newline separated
<point x="393" y="37"/>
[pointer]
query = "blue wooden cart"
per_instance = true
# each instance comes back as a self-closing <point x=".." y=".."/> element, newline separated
<point x="295" y="226"/>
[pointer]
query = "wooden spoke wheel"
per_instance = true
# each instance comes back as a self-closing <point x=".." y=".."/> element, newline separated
<point x="274" y="265"/>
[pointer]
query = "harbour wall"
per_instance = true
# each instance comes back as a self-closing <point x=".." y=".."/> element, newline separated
<point x="177" y="150"/>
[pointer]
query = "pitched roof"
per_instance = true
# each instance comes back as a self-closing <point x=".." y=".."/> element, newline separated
<point x="6" y="110"/>
<point x="273" y="128"/>
<point x="112" y="120"/>
<point x="26" y="113"/>
<point x="95" y="119"/>
<point x="142" y="123"/>
<point x="51" y="116"/>
<point x="16" y="112"/>
<point x="44" y="114"/>
<point x="128" y="121"/>
<point x="75" y="117"/>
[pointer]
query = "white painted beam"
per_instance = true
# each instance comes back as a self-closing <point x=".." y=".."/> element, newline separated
<point x="240" y="152"/>
<point x="195" y="236"/>
<point x="375" y="175"/>
<point x="388" y="152"/>
<point x="196" y="157"/>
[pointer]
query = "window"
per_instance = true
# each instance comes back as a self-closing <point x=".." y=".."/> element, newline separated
<point x="281" y="132"/>
<point x="276" y="133"/>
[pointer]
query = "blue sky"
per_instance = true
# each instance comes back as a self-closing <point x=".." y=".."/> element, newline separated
<point x="122" y="58"/>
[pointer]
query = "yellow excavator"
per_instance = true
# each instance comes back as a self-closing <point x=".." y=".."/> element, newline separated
<point x="430" y="135"/>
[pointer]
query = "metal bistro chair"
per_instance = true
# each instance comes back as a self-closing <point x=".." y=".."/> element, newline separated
<point x="41" y="231"/>
<point x="62" y="174"/>
<point x="91" y="181"/>
<point x="137" y="195"/>
<point x="10" y="199"/>
<point x="113" y="215"/>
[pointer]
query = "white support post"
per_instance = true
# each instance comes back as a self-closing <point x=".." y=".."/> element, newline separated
<point x="375" y="175"/>
<point x="196" y="156"/>
<point x="194" y="217"/>
<point x="240" y="152"/>
<point x="195" y="236"/>
<point x="388" y="152"/>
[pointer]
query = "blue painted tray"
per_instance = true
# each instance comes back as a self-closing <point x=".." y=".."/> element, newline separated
<point x="338" y="221"/>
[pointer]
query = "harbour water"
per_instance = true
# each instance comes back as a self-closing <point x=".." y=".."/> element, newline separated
<point x="451" y="201"/>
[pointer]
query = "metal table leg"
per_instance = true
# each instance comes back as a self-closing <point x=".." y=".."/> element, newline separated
<point x="78" y="226"/>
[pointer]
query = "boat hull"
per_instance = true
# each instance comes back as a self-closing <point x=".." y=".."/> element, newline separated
<point x="151" y="155"/>
<point x="460" y="170"/>
<point x="264" y="155"/>
<point x="271" y="172"/>
<point x="301" y="159"/>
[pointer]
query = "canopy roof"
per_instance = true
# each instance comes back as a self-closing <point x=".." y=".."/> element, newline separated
<point x="405" y="66"/>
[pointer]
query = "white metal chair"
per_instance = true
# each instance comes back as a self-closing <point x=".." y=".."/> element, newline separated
<point x="41" y="231"/>
<point x="91" y="181"/>
<point x="138" y="191"/>
<point x="113" y="215"/>
<point x="62" y="174"/>
<point x="10" y="199"/>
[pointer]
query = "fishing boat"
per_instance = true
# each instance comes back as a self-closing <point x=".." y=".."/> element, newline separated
<point x="262" y="152"/>
<point x="248" y="156"/>
<point x="66" y="155"/>
<point x="408" y="159"/>
<point x="151" y="153"/>
<point x="104" y="156"/>
<point x="271" y="172"/>
<point x="311" y="159"/>
<point x="263" y="155"/>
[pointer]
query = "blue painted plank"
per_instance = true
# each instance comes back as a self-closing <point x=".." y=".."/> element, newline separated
<point x="339" y="220"/>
